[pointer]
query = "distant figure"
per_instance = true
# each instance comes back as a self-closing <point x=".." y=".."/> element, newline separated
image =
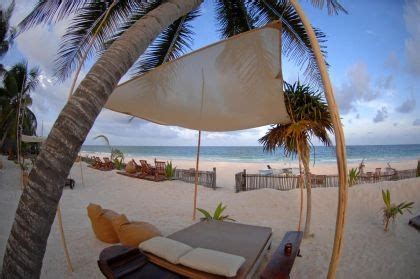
<point x="269" y="167"/>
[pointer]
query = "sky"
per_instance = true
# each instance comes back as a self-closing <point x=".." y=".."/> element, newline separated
<point x="374" y="68"/>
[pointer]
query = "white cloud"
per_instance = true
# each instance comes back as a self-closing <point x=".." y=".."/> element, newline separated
<point x="412" y="43"/>
<point x="358" y="87"/>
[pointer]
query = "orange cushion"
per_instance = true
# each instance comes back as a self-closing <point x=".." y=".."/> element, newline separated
<point x="101" y="223"/>
<point x="133" y="233"/>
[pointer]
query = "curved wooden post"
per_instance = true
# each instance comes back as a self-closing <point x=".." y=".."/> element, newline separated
<point x="63" y="239"/>
<point x="339" y="140"/>
<point x="196" y="174"/>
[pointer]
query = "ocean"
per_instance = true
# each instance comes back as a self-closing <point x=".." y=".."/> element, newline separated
<point x="254" y="154"/>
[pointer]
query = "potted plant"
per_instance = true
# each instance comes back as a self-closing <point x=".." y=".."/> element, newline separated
<point x="390" y="210"/>
<point x="217" y="215"/>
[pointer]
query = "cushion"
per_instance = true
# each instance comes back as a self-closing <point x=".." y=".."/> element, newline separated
<point x="212" y="261"/>
<point x="101" y="223"/>
<point x="133" y="233"/>
<point x="168" y="249"/>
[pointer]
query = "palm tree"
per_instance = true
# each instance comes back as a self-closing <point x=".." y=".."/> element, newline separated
<point x="38" y="203"/>
<point x="6" y="32"/>
<point x="310" y="119"/>
<point x="18" y="83"/>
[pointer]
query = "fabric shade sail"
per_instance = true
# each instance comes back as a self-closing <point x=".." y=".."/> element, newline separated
<point x="231" y="85"/>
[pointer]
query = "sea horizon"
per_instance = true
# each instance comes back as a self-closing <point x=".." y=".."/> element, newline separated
<point x="355" y="153"/>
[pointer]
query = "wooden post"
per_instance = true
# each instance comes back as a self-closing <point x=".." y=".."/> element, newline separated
<point x="243" y="180"/>
<point x="63" y="239"/>
<point x="339" y="139"/>
<point x="214" y="179"/>
<point x="196" y="174"/>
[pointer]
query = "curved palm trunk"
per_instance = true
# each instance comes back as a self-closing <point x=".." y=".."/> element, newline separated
<point x="38" y="203"/>
<point x="306" y="231"/>
<point x="340" y="144"/>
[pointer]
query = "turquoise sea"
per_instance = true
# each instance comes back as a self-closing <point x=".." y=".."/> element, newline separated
<point x="322" y="154"/>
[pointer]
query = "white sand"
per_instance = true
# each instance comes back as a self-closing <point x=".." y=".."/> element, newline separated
<point x="368" y="251"/>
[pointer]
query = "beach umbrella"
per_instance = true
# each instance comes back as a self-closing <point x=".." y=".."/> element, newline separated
<point x="231" y="85"/>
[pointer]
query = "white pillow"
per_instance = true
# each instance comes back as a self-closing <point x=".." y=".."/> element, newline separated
<point x="165" y="248"/>
<point x="212" y="261"/>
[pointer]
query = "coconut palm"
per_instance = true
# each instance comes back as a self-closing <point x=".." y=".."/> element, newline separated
<point x="38" y="203"/>
<point x="6" y="32"/>
<point x="310" y="119"/>
<point x="18" y="83"/>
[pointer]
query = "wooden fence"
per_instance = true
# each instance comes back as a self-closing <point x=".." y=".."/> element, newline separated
<point x="205" y="178"/>
<point x="247" y="182"/>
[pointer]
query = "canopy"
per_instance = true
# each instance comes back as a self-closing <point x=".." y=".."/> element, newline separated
<point x="25" y="138"/>
<point x="231" y="85"/>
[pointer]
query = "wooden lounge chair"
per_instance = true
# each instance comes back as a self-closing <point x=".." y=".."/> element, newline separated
<point x="108" y="163"/>
<point x="160" y="170"/>
<point x="250" y="242"/>
<point x="146" y="169"/>
<point x="123" y="262"/>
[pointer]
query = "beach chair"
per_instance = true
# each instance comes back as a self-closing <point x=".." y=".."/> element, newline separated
<point x="377" y="174"/>
<point x="160" y="170"/>
<point x="108" y="164"/>
<point x="415" y="222"/>
<point x="146" y="169"/>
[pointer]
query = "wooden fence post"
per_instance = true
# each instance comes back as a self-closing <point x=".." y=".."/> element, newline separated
<point x="214" y="179"/>
<point x="244" y="181"/>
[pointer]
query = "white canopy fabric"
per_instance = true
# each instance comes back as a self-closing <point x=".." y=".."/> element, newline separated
<point x="25" y="138"/>
<point x="231" y="85"/>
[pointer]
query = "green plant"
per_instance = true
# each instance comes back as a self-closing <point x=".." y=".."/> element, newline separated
<point x="169" y="170"/>
<point x="353" y="176"/>
<point x="391" y="210"/>
<point x="117" y="156"/>
<point x="217" y="215"/>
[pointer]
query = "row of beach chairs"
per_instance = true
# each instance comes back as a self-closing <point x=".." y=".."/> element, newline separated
<point x="146" y="170"/>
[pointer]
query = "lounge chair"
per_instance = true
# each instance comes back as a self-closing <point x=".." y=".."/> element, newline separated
<point x="146" y="169"/>
<point x="108" y="163"/>
<point x="415" y="222"/>
<point x="160" y="170"/>
<point x="250" y="242"/>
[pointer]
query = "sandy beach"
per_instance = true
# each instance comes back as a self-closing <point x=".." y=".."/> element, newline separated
<point x="368" y="252"/>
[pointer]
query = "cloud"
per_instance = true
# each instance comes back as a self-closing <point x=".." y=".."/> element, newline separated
<point x="381" y="115"/>
<point x="407" y="106"/>
<point x="358" y="88"/>
<point x="416" y="122"/>
<point x="412" y="43"/>
<point x="392" y="62"/>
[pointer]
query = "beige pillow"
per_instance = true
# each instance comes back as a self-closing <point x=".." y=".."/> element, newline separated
<point x="168" y="249"/>
<point x="212" y="261"/>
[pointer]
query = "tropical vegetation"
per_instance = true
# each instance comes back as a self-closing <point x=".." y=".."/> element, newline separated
<point x="6" y="32"/>
<point x="169" y="170"/>
<point x="137" y="27"/>
<point x="391" y="210"/>
<point x="117" y="156"/>
<point x="15" y="93"/>
<point x="353" y="176"/>
<point x="310" y="118"/>
<point x="217" y="214"/>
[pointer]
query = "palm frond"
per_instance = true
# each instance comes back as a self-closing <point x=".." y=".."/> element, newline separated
<point x="296" y="44"/>
<point x="333" y="6"/>
<point x="88" y="31"/>
<point x="48" y="11"/>
<point x="172" y="43"/>
<point x="232" y="17"/>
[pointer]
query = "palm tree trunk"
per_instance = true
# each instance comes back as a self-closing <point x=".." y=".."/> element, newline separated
<point x="38" y="203"/>
<point x="340" y="144"/>
<point x="308" y="194"/>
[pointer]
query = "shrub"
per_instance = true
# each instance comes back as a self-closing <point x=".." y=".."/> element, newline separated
<point x="217" y="215"/>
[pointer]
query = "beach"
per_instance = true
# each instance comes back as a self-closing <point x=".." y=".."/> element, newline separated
<point x="368" y="251"/>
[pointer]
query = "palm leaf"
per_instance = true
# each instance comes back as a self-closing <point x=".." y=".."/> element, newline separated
<point x="172" y="43"/>
<point x="333" y="6"/>
<point x="92" y="26"/>
<point x="296" y="43"/>
<point x="205" y="213"/>
<point x="48" y="11"/>
<point x="232" y="17"/>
